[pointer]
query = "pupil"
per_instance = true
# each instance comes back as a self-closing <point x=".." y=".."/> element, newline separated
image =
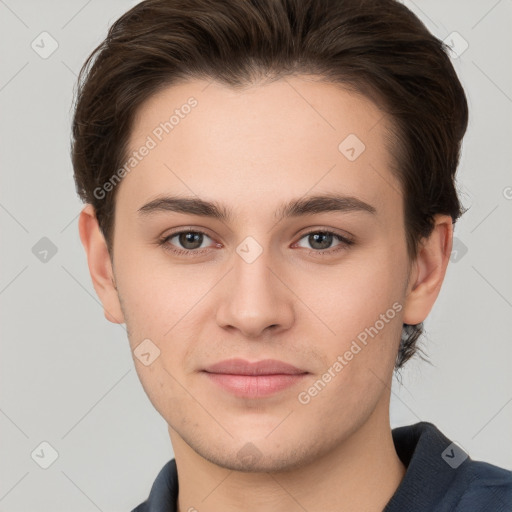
<point x="194" y="238"/>
<point x="323" y="240"/>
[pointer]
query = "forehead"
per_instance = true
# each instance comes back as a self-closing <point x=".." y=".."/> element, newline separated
<point x="281" y="138"/>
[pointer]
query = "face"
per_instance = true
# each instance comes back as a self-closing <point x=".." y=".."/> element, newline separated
<point x="321" y="288"/>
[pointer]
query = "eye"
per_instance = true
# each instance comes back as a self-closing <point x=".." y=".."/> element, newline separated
<point x="191" y="242"/>
<point x="322" y="240"/>
<point x="187" y="242"/>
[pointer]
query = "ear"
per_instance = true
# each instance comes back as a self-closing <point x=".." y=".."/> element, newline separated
<point x="100" y="266"/>
<point x="428" y="271"/>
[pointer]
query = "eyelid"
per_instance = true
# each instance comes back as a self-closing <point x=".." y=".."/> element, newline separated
<point x="323" y="229"/>
<point x="344" y="243"/>
<point x="185" y="229"/>
<point x="164" y="239"/>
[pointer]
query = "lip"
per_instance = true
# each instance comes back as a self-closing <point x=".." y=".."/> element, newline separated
<point x="260" y="379"/>
<point x="264" y="367"/>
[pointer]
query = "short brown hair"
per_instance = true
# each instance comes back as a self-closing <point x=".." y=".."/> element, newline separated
<point x="378" y="48"/>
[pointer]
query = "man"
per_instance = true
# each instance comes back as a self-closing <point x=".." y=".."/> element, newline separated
<point x="271" y="200"/>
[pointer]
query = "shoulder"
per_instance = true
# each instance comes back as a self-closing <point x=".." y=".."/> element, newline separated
<point x="441" y="476"/>
<point x="484" y="487"/>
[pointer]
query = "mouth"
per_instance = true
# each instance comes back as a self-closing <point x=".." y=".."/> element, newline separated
<point x="260" y="379"/>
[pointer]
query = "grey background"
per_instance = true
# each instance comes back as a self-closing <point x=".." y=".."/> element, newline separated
<point x="66" y="374"/>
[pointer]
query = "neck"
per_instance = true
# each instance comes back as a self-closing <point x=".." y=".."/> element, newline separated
<point x="360" y="473"/>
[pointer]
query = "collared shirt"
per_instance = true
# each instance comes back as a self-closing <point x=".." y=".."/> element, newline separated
<point x="440" y="477"/>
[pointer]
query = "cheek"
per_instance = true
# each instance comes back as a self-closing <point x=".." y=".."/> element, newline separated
<point x="353" y="294"/>
<point x="361" y="303"/>
<point x="154" y="297"/>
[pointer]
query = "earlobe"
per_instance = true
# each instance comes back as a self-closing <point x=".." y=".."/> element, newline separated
<point x="100" y="266"/>
<point x="428" y="271"/>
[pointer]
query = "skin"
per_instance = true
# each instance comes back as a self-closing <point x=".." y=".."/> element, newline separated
<point x="253" y="150"/>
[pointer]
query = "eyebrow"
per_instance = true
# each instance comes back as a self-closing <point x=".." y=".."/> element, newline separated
<point x="294" y="208"/>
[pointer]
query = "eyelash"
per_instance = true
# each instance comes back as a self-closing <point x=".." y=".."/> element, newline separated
<point x="344" y="243"/>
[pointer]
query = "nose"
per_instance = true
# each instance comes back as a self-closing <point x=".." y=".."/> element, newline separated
<point x="254" y="300"/>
